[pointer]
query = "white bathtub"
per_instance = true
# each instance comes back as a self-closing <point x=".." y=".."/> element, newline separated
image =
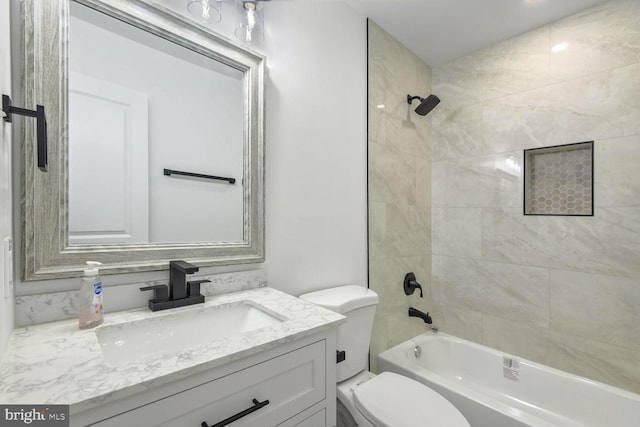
<point x="472" y="377"/>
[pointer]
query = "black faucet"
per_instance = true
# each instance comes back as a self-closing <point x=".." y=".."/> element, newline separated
<point x="410" y="284"/>
<point x="180" y="293"/>
<point x="414" y="312"/>
<point x="178" y="271"/>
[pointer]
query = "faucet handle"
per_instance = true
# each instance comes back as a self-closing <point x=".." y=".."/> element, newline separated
<point x="193" y="287"/>
<point x="410" y="284"/>
<point x="160" y="292"/>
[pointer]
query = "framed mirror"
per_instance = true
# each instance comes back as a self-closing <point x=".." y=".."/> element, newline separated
<point x="155" y="141"/>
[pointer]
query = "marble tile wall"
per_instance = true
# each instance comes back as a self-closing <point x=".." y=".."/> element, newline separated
<point x="399" y="169"/>
<point x="563" y="291"/>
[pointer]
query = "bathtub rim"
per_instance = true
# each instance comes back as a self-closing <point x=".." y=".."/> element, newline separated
<point x="437" y="335"/>
<point x="396" y="354"/>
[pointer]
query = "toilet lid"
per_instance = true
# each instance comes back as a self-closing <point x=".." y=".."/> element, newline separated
<point x="392" y="400"/>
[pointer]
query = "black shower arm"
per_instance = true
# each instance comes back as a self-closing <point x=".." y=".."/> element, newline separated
<point x="411" y="98"/>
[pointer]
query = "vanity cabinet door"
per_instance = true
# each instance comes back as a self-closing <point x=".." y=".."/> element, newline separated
<point x="291" y="383"/>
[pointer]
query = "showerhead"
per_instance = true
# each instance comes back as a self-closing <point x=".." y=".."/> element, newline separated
<point x="426" y="104"/>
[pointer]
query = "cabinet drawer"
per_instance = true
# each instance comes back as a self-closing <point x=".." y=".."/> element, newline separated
<point x="315" y="420"/>
<point x="291" y="383"/>
<point x="318" y="419"/>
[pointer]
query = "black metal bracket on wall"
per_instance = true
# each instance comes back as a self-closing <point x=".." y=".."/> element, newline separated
<point x="41" y="123"/>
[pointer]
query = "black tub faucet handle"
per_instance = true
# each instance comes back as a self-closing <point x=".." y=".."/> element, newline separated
<point x="410" y="284"/>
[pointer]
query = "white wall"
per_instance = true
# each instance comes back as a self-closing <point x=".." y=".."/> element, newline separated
<point x="316" y="146"/>
<point x="316" y="232"/>
<point x="6" y="297"/>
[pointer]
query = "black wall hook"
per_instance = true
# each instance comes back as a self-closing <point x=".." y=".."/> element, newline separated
<point x="41" y="123"/>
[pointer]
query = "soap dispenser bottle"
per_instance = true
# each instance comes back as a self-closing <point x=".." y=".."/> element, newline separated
<point x="90" y="304"/>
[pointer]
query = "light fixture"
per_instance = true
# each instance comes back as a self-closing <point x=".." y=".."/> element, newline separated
<point x="250" y="28"/>
<point x="206" y="11"/>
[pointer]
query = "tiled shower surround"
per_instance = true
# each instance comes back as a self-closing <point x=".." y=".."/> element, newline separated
<point x="399" y="160"/>
<point x="563" y="291"/>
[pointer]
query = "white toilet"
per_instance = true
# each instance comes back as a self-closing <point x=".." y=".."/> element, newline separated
<point x="388" y="399"/>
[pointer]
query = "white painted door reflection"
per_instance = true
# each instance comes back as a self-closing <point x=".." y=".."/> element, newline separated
<point x="108" y="167"/>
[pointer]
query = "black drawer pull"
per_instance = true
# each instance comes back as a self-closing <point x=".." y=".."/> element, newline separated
<point x="256" y="405"/>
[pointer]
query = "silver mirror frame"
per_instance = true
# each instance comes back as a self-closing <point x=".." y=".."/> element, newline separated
<point x="46" y="253"/>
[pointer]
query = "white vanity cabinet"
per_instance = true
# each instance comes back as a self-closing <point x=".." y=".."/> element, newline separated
<point x="161" y="379"/>
<point x="297" y="379"/>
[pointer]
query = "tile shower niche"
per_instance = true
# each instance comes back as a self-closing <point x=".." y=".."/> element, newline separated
<point x="558" y="180"/>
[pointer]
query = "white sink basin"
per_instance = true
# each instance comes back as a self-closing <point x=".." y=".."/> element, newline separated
<point x="177" y="331"/>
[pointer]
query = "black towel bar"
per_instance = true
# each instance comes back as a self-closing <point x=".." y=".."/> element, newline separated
<point x="169" y="172"/>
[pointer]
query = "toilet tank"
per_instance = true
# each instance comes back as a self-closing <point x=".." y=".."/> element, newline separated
<point x="358" y="304"/>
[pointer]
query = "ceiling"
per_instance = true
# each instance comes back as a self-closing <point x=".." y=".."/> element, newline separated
<point x="439" y="31"/>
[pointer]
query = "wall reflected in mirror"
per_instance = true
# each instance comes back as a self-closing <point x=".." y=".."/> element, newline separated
<point x="139" y="104"/>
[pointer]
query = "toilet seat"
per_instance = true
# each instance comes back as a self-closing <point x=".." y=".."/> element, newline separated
<point x="392" y="400"/>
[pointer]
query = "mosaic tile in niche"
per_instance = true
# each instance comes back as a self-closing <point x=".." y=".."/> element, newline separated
<point x="559" y="180"/>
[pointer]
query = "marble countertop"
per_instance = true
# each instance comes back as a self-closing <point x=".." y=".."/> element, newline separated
<point x="56" y="363"/>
